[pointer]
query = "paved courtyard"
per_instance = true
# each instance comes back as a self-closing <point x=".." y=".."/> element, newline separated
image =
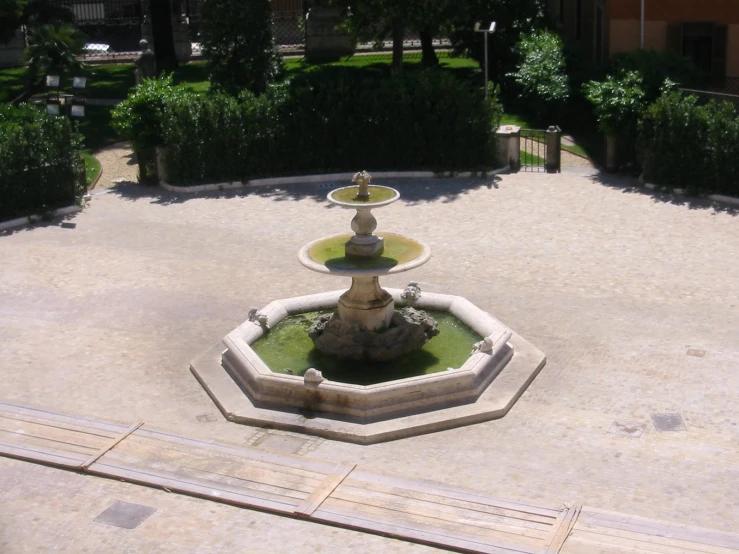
<point x="634" y="298"/>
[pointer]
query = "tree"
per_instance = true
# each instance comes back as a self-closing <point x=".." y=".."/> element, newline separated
<point x="11" y="14"/>
<point x="540" y="74"/>
<point x="53" y="49"/>
<point x="160" y="12"/>
<point x="512" y="17"/>
<point x="238" y="43"/>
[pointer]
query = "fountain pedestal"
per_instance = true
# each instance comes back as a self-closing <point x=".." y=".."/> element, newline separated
<point x="366" y="304"/>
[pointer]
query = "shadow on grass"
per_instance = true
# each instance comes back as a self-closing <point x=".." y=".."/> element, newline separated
<point x="629" y="185"/>
<point x="412" y="191"/>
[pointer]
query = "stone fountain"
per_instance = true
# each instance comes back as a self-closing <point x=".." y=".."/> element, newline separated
<point x="362" y="323"/>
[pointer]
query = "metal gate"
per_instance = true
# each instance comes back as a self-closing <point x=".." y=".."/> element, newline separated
<point x="533" y="150"/>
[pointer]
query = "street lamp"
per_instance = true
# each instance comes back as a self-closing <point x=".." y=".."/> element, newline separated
<point x="487" y="32"/>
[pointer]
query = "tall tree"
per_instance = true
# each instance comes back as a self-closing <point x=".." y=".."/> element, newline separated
<point x="512" y="17"/>
<point x="11" y="14"/>
<point x="238" y="43"/>
<point x="160" y="13"/>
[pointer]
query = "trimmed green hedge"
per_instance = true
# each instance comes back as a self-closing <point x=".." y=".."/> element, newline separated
<point x="332" y="120"/>
<point x="40" y="162"/>
<point x="692" y="146"/>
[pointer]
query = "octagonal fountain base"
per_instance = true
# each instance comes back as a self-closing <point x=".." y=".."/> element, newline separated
<point x="485" y="387"/>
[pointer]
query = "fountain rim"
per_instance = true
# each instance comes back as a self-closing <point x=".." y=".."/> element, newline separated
<point x="305" y="259"/>
<point x="362" y="205"/>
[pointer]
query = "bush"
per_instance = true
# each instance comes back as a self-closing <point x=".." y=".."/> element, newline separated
<point x="541" y="73"/>
<point x="618" y="103"/>
<point x="40" y="164"/>
<point x="138" y="118"/>
<point x="332" y="120"/>
<point x="238" y="44"/>
<point x="655" y="68"/>
<point x="691" y="146"/>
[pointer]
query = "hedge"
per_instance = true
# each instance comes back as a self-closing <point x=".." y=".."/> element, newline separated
<point x="692" y="146"/>
<point x="40" y="163"/>
<point x="331" y="120"/>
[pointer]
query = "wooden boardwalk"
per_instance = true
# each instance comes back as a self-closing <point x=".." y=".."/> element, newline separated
<point x="339" y="494"/>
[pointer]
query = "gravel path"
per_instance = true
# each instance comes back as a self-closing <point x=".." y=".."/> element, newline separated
<point x="119" y="165"/>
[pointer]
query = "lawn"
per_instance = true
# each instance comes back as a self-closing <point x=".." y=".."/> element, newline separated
<point x="92" y="167"/>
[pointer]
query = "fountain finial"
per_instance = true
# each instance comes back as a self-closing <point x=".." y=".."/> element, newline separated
<point x="363" y="180"/>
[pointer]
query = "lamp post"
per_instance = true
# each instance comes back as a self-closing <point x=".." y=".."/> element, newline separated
<point x="486" y="32"/>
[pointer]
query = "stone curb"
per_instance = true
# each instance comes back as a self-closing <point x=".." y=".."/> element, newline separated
<point x="715" y="197"/>
<point x="306" y="179"/>
<point x="35" y="219"/>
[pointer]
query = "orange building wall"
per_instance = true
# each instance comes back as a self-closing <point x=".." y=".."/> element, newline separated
<point x="674" y="11"/>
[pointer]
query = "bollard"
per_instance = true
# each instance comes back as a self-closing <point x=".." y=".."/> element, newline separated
<point x="554" y="149"/>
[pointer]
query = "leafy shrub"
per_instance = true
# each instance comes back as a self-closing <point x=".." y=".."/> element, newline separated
<point x="238" y="44"/>
<point x="692" y="146"/>
<point x="53" y="49"/>
<point x="655" y="68"/>
<point x="40" y="162"/>
<point x="618" y="103"/>
<point x="329" y="120"/>
<point x="541" y="72"/>
<point x="138" y="118"/>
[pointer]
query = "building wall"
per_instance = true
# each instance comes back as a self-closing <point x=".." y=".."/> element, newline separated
<point x="625" y="35"/>
<point x="675" y="11"/>
<point x="732" y="52"/>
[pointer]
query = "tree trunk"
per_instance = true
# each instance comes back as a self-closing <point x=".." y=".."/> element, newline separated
<point x="428" y="55"/>
<point x="398" y="35"/>
<point x="161" y="29"/>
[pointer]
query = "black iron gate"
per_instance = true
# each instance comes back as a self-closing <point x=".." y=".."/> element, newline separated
<point x="533" y="150"/>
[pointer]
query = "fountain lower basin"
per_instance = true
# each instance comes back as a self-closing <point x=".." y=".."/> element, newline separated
<point x="484" y="387"/>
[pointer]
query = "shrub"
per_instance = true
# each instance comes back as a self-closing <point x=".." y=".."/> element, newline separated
<point x="691" y="146"/>
<point x="618" y="103"/>
<point x="138" y="118"/>
<point x="655" y="68"/>
<point x="541" y="72"/>
<point x="238" y="44"/>
<point x="40" y="162"/>
<point x="328" y="120"/>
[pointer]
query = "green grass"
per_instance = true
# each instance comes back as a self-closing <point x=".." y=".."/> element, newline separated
<point x="528" y="158"/>
<point x="92" y="167"/>
<point x="12" y="81"/>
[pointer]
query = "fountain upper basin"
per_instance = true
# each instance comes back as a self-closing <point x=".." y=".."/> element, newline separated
<point x="347" y="197"/>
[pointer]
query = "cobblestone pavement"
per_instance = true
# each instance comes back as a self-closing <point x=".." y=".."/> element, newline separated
<point x="634" y="297"/>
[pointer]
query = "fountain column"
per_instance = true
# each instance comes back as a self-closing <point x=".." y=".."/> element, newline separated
<point x="366" y="304"/>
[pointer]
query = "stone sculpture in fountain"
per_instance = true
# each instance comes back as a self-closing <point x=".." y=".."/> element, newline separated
<point x="366" y="324"/>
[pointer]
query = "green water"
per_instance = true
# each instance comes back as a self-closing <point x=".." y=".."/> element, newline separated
<point x="376" y="194"/>
<point x="288" y="346"/>
<point x="398" y="250"/>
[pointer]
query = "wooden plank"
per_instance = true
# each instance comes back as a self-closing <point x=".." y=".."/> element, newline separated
<point x="201" y="489"/>
<point x="328" y="486"/>
<point x="658" y="528"/>
<point x="46" y="442"/>
<point x="39" y="455"/>
<point x="330" y="512"/>
<point x="458" y="494"/>
<point x="562" y="529"/>
<point x="442" y="526"/>
<point x="522" y="518"/>
<point x="6" y="418"/>
<point x="94" y="458"/>
<point x="655" y="542"/>
<point x="297" y="462"/>
<point x="10" y="408"/>
<point x="645" y="546"/>
<point x="208" y="460"/>
<point x="458" y="516"/>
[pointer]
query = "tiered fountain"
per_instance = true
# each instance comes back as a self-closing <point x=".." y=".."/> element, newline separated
<point x="361" y="327"/>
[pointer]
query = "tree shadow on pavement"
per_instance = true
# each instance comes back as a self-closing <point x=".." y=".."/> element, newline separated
<point x="412" y="191"/>
<point x="630" y="185"/>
